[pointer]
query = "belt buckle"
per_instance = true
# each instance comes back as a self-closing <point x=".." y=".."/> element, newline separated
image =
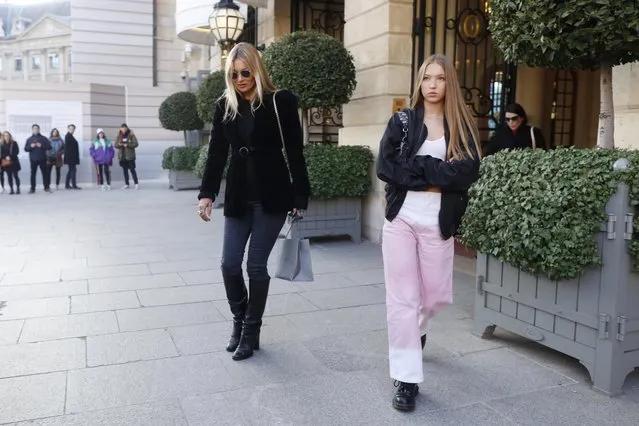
<point x="243" y="151"/>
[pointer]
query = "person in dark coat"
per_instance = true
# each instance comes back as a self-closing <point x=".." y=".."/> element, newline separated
<point x="9" y="151"/>
<point x="516" y="134"/>
<point x="71" y="157"/>
<point x="37" y="146"/>
<point x="259" y="189"/>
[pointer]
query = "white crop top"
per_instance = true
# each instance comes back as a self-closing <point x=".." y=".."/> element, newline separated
<point x="436" y="148"/>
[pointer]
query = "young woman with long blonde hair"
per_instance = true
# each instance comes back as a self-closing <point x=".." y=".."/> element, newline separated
<point x="429" y="157"/>
<point x="254" y="121"/>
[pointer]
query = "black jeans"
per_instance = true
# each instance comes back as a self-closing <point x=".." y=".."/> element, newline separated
<point x="13" y="176"/>
<point x="103" y="169"/>
<point x="71" y="176"/>
<point x="126" y="166"/>
<point x="57" y="173"/>
<point x="263" y="229"/>
<point x="43" y="169"/>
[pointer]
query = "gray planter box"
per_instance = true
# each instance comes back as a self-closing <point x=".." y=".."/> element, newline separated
<point x="328" y="218"/>
<point x="594" y="318"/>
<point x="179" y="180"/>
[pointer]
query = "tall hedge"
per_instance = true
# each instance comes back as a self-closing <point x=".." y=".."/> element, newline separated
<point x="178" y="113"/>
<point x="570" y="34"/>
<point x="540" y="210"/>
<point x="210" y="90"/>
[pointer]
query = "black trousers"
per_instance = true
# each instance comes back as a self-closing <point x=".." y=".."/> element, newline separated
<point x="126" y="166"/>
<point x="71" y="176"/>
<point x="104" y="169"/>
<point x="57" y="173"/>
<point x="42" y="165"/>
<point x="262" y="229"/>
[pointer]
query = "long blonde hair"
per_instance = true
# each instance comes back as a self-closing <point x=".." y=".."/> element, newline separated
<point x="263" y="84"/>
<point x="461" y="124"/>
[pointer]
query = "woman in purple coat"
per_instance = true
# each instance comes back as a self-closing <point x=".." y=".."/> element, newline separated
<point x="102" y="152"/>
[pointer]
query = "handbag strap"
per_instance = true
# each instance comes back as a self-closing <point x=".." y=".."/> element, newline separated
<point x="532" y="137"/>
<point x="403" y="117"/>
<point x="279" y="125"/>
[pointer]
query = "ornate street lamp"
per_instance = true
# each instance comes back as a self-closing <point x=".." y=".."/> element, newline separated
<point x="226" y="24"/>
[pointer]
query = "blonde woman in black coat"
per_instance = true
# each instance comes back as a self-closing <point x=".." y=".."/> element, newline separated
<point x="260" y="188"/>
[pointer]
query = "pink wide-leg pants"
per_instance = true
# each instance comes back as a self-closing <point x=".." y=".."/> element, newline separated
<point x="418" y="270"/>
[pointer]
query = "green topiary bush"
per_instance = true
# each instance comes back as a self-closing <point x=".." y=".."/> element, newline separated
<point x="540" y="210"/>
<point x="210" y="90"/>
<point x="325" y="80"/>
<point x="178" y="112"/>
<point x="180" y="158"/>
<point x="200" y="165"/>
<point x="338" y="171"/>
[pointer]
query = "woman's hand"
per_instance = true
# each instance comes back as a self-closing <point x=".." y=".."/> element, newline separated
<point x="205" y="206"/>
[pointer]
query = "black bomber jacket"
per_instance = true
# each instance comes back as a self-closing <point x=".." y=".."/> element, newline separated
<point x="402" y="170"/>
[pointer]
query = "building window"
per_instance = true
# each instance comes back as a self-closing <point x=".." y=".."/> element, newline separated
<point x="69" y="59"/>
<point x="36" y="62"/>
<point x="54" y="61"/>
<point x="17" y="64"/>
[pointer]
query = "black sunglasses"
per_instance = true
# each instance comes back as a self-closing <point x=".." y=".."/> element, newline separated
<point x="244" y="73"/>
<point x="513" y="118"/>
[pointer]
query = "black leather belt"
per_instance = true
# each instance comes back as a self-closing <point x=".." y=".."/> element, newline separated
<point x="244" y="151"/>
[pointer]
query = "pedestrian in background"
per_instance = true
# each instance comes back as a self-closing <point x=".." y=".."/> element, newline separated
<point x="126" y="143"/>
<point x="54" y="156"/>
<point x="10" y="162"/>
<point x="102" y="152"/>
<point x="71" y="157"/>
<point x="37" y="146"/>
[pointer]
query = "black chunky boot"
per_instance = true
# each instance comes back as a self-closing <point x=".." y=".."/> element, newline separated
<point x="238" y="299"/>
<point x="250" y="340"/>
<point x="404" y="398"/>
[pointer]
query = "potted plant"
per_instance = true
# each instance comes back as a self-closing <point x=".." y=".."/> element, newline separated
<point x="340" y="179"/>
<point x="178" y="113"/>
<point x="180" y="161"/>
<point x="570" y="34"/>
<point x="327" y="78"/>
<point x="200" y="165"/>
<point x="554" y="233"/>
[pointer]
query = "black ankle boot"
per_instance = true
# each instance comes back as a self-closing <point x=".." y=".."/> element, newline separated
<point x="250" y="340"/>
<point x="404" y="398"/>
<point x="238" y="299"/>
<point x="423" y="342"/>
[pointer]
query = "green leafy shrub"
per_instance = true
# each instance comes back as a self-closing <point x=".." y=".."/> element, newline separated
<point x="178" y="112"/>
<point x="180" y="158"/>
<point x="540" y="210"/>
<point x="167" y="158"/>
<point x="210" y="90"/>
<point x="316" y="67"/>
<point x="200" y="165"/>
<point x="338" y="171"/>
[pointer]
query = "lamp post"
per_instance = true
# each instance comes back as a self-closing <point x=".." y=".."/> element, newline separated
<point x="226" y="24"/>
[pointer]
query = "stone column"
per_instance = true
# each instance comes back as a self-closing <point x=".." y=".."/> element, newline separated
<point x="62" y="54"/>
<point x="378" y="34"/>
<point x="273" y="21"/>
<point x="44" y="64"/>
<point x="26" y="64"/>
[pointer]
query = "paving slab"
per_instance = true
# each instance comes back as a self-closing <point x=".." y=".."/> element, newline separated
<point x="10" y="331"/>
<point x="121" y="348"/>
<point x="167" y="316"/>
<point x="43" y="290"/>
<point x="104" y="302"/>
<point x="62" y="327"/>
<point x="32" y="397"/>
<point x="43" y="357"/>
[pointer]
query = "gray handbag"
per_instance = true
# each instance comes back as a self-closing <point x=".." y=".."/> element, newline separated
<point x="294" y="263"/>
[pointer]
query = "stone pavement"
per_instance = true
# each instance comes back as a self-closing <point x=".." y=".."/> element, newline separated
<point x="113" y="313"/>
